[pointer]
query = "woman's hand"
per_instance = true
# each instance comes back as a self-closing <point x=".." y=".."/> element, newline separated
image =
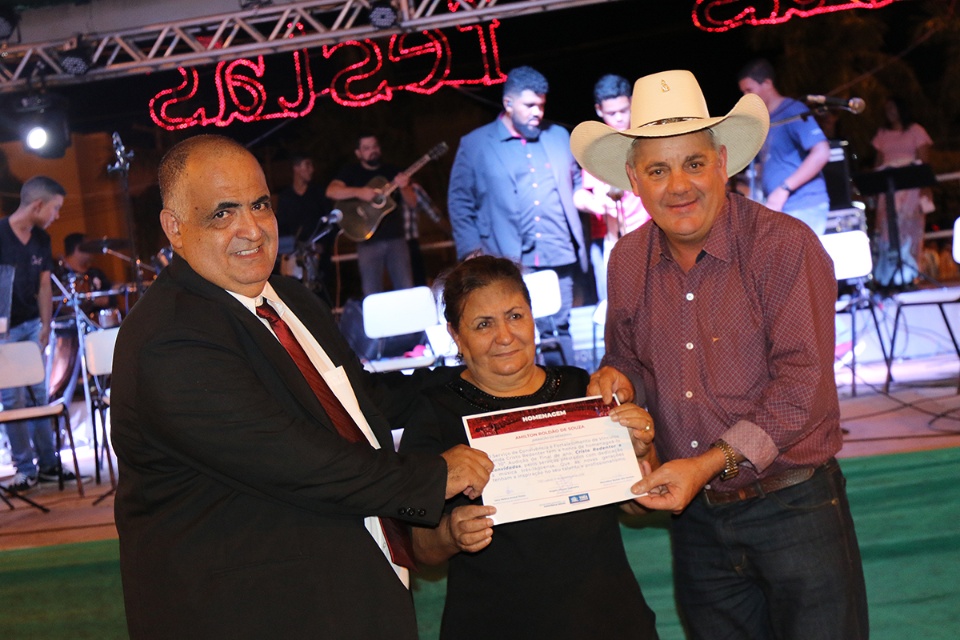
<point x="469" y="528"/>
<point x="640" y="424"/>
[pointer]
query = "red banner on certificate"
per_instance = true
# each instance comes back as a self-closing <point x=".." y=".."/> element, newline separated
<point x="553" y="458"/>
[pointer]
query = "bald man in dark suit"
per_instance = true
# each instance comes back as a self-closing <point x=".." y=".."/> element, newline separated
<point x="242" y="510"/>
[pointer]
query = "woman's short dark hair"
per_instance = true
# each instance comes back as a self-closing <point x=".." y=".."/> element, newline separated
<point x="477" y="273"/>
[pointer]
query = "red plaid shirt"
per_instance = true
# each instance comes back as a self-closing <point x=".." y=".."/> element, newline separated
<point x="740" y="347"/>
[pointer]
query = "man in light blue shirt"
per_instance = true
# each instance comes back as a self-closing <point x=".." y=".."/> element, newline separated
<point x="794" y="154"/>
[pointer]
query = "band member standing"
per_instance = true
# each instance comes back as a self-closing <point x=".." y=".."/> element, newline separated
<point x="613" y="212"/>
<point x="794" y="154"/>
<point x="386" y="250"/>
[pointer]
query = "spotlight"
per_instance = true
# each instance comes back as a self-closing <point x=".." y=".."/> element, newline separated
<point x="76" y="58"/>
<point x="9" y="19"/>
<point x="42" y="122"/>
<point x="383" y="15"/>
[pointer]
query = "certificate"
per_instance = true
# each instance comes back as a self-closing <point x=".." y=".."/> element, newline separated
<point x="553" y="458"/>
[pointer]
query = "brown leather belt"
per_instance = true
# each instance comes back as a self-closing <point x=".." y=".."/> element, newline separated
<point x="761" y="487"/>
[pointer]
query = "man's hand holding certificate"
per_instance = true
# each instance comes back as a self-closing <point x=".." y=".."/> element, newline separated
<point x="554" y="458"/>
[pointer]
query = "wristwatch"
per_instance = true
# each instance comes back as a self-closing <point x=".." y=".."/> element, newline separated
<point x="786" y="188"/>
<point x="731" y="467"/>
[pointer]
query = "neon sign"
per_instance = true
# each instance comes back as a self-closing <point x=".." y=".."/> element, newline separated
<point x="723" y="15"/>
<point x="358" y="74"/>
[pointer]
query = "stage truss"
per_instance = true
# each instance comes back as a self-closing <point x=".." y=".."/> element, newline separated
<point x="258" y="31"/>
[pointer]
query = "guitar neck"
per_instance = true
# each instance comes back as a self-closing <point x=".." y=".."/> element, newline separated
<point x="412" y="169"/>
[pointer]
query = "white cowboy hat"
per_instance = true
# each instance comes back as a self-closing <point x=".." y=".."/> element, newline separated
<point x="670" y="103"/>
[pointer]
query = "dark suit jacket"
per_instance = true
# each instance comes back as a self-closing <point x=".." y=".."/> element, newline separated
<point x="482" y="197"/>
<point x="240" y="509"/>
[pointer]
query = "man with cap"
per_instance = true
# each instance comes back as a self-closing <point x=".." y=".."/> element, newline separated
<point x="511" y="195"/>
<point x="721" y="317"/>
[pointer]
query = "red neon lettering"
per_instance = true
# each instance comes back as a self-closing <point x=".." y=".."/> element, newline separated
<point x="358" y="79"/>
<point x="723" y="15"/>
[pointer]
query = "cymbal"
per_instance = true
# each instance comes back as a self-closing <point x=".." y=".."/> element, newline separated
<point x="101" y="245"/>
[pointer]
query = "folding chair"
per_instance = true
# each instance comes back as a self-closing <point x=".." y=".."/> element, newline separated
<point x="544" y="288"/>
<point x="21" y="365"/>
<point x="98" y="350"/>
<point x="928" y="297"/>
<point x="852" y="260"/>
<point x="397" y="313"/>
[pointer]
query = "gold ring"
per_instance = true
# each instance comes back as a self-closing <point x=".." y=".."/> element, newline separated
<point x="646" y="428"/>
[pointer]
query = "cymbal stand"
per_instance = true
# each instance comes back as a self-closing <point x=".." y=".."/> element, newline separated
<point x="82" y="324"/>
<point x="122" y="166"/>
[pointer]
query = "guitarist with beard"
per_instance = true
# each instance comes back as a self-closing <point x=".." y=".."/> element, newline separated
<point x="385" y="250"/>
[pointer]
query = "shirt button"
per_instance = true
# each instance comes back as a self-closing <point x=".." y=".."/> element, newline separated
<point x="536" y="203"/>
<point x="538" y="235"/>
<point x="422" y="512"/>
<point x="689" y="394"/>
<point x="533" y="169"/>
<point x="689" y="345"/>
<point x="535" y="185"/>
<point x="689" y="296"/>
<point x="694" y="444"/>
<point x="536" y="219"/>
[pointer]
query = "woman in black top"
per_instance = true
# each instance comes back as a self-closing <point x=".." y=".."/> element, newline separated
<point x="563" y="576"/>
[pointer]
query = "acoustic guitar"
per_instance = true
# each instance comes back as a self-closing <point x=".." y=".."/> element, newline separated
<point x="361" y="218"/>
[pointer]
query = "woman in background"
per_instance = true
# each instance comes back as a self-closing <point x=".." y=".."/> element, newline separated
<point x="901" y="142"/>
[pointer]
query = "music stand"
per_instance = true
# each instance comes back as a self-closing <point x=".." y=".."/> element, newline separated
<point x="887" y="182"/>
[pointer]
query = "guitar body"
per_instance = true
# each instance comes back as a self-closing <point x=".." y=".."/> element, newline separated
<point x="361" y="219"/>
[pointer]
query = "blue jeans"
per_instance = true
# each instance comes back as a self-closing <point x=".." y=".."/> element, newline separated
<point x="34" y="437"/>
<point x="815" y="217"/>
<point x="599" y="268"/>
<point x="392" y="256"/>
<point x="784" y="566"/>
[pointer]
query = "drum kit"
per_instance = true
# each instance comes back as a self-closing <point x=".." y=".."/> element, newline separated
<point x="81" y="309"/>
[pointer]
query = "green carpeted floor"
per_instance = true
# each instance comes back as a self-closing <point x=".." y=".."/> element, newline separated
<point x="906" y="506"/>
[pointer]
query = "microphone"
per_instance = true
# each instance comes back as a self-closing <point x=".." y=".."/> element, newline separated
<point x="334" y="217"/>
<point x="853" y="105"/>
<point x="615" y="194"/>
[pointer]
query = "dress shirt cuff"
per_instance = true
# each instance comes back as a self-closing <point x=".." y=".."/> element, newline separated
<point x="753" y="442"/>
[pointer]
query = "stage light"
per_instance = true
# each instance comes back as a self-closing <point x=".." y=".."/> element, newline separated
<point x="383" y="15"/>
<point x="9" y="19"/>
<point x="42" y="122"/>
<point x="76" y="58"/>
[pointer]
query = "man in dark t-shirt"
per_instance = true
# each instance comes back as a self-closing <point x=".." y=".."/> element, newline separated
<point x="386" y="250"/>
<point x="300" y="208"/>
<point x="26" y="246"/>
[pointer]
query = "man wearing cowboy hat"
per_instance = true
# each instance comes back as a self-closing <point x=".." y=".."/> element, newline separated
<point x="721" y="313"/>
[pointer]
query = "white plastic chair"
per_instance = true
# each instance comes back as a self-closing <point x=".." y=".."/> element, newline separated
<point x="938" y="297"/>
<point x="397" y="313"/>
<point x="544" y="288"/>
<point x="21" y="365"/>
<point x="98" y="350"/>
<point x="852" y="260"/>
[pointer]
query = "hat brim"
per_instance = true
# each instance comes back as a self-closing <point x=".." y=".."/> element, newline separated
<point x="602" y="150"/>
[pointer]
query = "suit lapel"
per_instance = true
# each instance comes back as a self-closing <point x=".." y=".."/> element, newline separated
<point x="274" y="357"/>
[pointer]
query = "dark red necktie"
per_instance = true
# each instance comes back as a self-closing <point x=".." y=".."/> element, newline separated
<point x="398" y="538"/>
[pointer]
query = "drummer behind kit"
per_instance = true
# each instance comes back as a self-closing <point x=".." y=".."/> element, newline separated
<point x="83" y="302"/>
